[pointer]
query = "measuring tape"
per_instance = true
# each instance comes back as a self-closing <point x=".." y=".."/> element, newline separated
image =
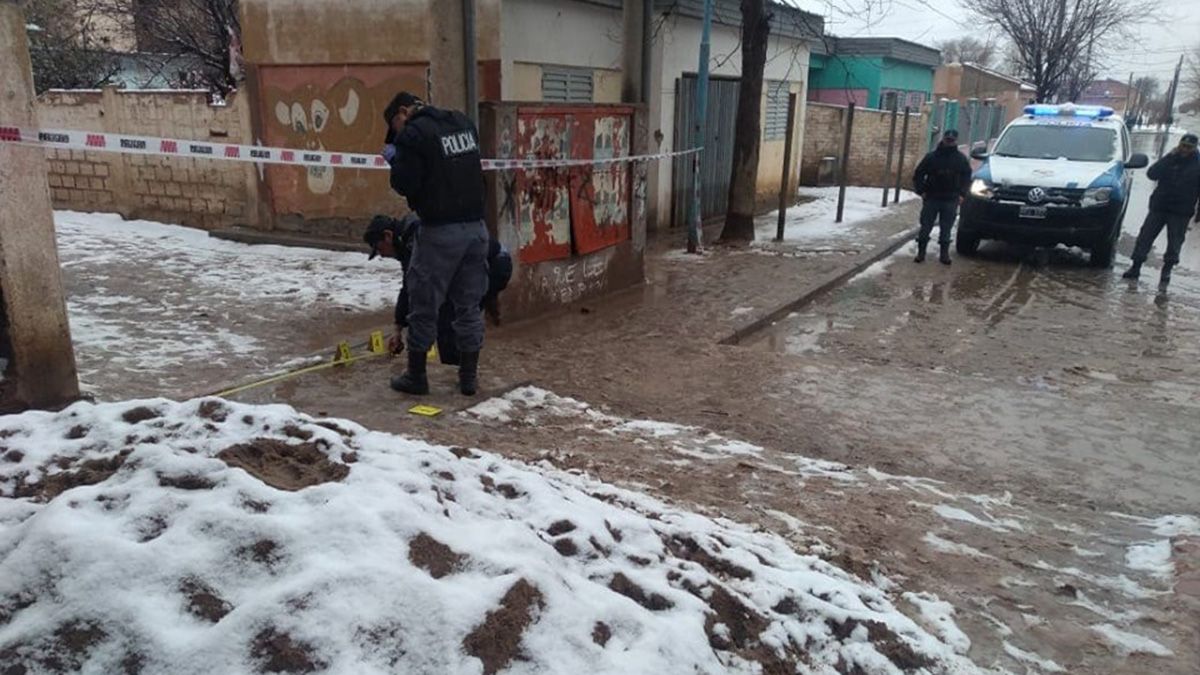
<point x="91" y="141"/>
<point x="343" y="356"/>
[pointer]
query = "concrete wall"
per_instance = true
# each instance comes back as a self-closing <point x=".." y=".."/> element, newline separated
<point x="349" y="60"/>
<point x="674" y="54"/>
<point x="959" y="82"/>
<point x="200" y="193"/>
<point x="823" y="137"/>
<point x="553" y="32"/>
<point x="577" y="233"/>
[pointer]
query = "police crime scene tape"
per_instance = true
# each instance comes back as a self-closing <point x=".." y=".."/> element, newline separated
<point x="93" y="141"/>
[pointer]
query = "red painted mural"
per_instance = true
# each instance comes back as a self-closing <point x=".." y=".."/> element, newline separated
<point x="578" y="210"/>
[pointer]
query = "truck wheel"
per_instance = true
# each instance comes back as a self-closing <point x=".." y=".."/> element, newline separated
<point x="966" y="243"/>
<point x="1105" y="250"/>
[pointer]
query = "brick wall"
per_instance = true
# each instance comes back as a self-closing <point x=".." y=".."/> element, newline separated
<point x="823" y="129"/>
<point x="200" y="193"/>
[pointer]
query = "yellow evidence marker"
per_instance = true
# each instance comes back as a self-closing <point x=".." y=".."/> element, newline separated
<point x="425" y="410"/>
<point x="377" y="343"/>
<point x="343" y="353"/>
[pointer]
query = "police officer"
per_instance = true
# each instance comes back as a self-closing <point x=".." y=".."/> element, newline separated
<point x="435" y="160"/>
<point x="396" y="238"/>
<point x="942" y="178"/>
<point x="1171" y="205"/>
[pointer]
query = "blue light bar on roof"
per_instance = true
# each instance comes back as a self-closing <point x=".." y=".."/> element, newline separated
<point x="1068" y="110"/>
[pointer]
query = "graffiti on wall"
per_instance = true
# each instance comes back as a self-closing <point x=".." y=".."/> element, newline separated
<point x="330" y="108"/>
<point x="577" y="210"/>
<point x="543" y="208"/>
<point x="567" y="282"/>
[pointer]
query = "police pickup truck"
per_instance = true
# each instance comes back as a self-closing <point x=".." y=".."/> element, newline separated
<point x="1059" y="174"/>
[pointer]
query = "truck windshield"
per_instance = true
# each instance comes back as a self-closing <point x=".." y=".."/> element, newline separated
<point x="1078" y="144"/>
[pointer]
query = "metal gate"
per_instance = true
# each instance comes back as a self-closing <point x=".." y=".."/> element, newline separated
<point x="716" y="162"/>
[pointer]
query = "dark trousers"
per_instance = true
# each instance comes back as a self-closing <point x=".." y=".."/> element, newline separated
<point x="449" y="263"/>
<point x="1152" y="226"/>
<point x="940" y="211"/>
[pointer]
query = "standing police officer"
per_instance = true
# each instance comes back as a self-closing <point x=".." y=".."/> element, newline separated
<point x="1173" y="203"/>
<point x="435" y="162"/>
<point x="942" y="178"/>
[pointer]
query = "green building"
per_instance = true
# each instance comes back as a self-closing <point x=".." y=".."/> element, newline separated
<point x="872" y="72"/>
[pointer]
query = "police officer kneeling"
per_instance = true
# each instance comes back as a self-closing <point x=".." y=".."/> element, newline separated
<point x="435" y="160"/>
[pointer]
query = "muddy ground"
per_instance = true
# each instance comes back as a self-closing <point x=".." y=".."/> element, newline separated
<point x="1032" y="440"/>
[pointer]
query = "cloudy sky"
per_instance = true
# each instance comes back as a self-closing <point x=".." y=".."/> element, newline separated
<point x="1160" y="41"/>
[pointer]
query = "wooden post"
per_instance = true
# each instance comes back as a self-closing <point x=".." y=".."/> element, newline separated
<point x="35" y="338"/>
<point x="784" y="197"/>
<point x="887" y="167"/>
<point x="845" y="162"/>
<point x="903" y="150"/>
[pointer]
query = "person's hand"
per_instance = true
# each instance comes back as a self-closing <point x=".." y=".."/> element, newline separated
<point x="396" y="341"/>
<point x="491" y="309"/>
<point x="389" y="152"/>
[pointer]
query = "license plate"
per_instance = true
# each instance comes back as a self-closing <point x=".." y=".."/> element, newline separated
<point x="1033" y="212"/>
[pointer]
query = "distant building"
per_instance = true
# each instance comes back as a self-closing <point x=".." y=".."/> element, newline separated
<point x="1111" y="93"/>
<point x="872" y="72"/>
<point x="965" y="81"/>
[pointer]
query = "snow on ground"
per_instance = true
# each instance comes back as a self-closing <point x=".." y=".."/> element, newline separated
<point x="153" y="306"/>
<point x="210" y="536"/>
<point x="1152" y="557"/>
<point x="812" y="222"/>
<point x="1130" y="643"/>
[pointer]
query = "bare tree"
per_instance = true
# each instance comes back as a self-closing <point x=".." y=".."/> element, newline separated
<point x="1050" y="37"/>
<point x="756" y="28"/>
<point x="205" y="34"/>
<point x="1145" y="91"/>
<point x="66" y="48"/>
<point x="968" y="50"/>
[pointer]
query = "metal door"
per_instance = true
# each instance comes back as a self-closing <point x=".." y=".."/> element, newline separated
<point x="716" y="162"/>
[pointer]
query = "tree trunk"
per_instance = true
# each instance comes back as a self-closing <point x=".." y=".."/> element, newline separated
<point x="739" y="219"/>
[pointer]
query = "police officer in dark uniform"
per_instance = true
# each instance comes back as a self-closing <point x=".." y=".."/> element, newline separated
<point x="435" y="160"/>
<point x="942" y="178"/>
<point x="396" y="238"/>
<point x="1173" y="203"/>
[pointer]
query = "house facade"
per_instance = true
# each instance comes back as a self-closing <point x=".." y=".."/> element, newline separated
<point x="963" y="82"/>
<point x="872" y="72"/>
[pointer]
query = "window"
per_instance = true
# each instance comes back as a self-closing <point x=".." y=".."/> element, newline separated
<point x="889" y="99"/>
<point x="775" y="127"/>
<point x="1059" y="141"/>
<point x="916" y="99"/>
<point x="571" y="85"/>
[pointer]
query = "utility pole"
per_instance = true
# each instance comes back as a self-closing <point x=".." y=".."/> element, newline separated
<point x="1170" y="111"/>
<point x="1128" y="96"/>
<point x="470" y="61"/>
<point x="693" y="245"/>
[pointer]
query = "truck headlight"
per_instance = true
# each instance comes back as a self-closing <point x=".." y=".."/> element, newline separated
<point x="981" y="188"/>
<point x="1095" y="196"/>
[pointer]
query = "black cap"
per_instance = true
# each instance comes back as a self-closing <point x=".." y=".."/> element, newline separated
<point x="950" y="135"/>
<point x="380" y="224"/>
<point x="1190" y="139"/>
<point x="402" y="100"/>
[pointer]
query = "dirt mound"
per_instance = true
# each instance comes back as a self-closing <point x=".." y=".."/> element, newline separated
<point x="280" y="653"/>
<point x="90" y="472"/>
<point x="497" y="641"/>
<point x="653" y="601"/>
<point x="433" y="556"/>
<point x="284" y="466"/>
<point x="203" y="601"/>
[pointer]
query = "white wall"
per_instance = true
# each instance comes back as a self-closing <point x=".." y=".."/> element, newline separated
<point x="677" y="51"/>
<point x="558" y="33"/>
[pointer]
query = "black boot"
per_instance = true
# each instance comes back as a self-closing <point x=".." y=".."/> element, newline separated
<point x="1134" y="270"/>
<point x="468" y="373"/>
<point x="921" y="246"/>
<point x="1164" y="277"/>
<point x="944" y="256"/>
<point x="414" y="380"/>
